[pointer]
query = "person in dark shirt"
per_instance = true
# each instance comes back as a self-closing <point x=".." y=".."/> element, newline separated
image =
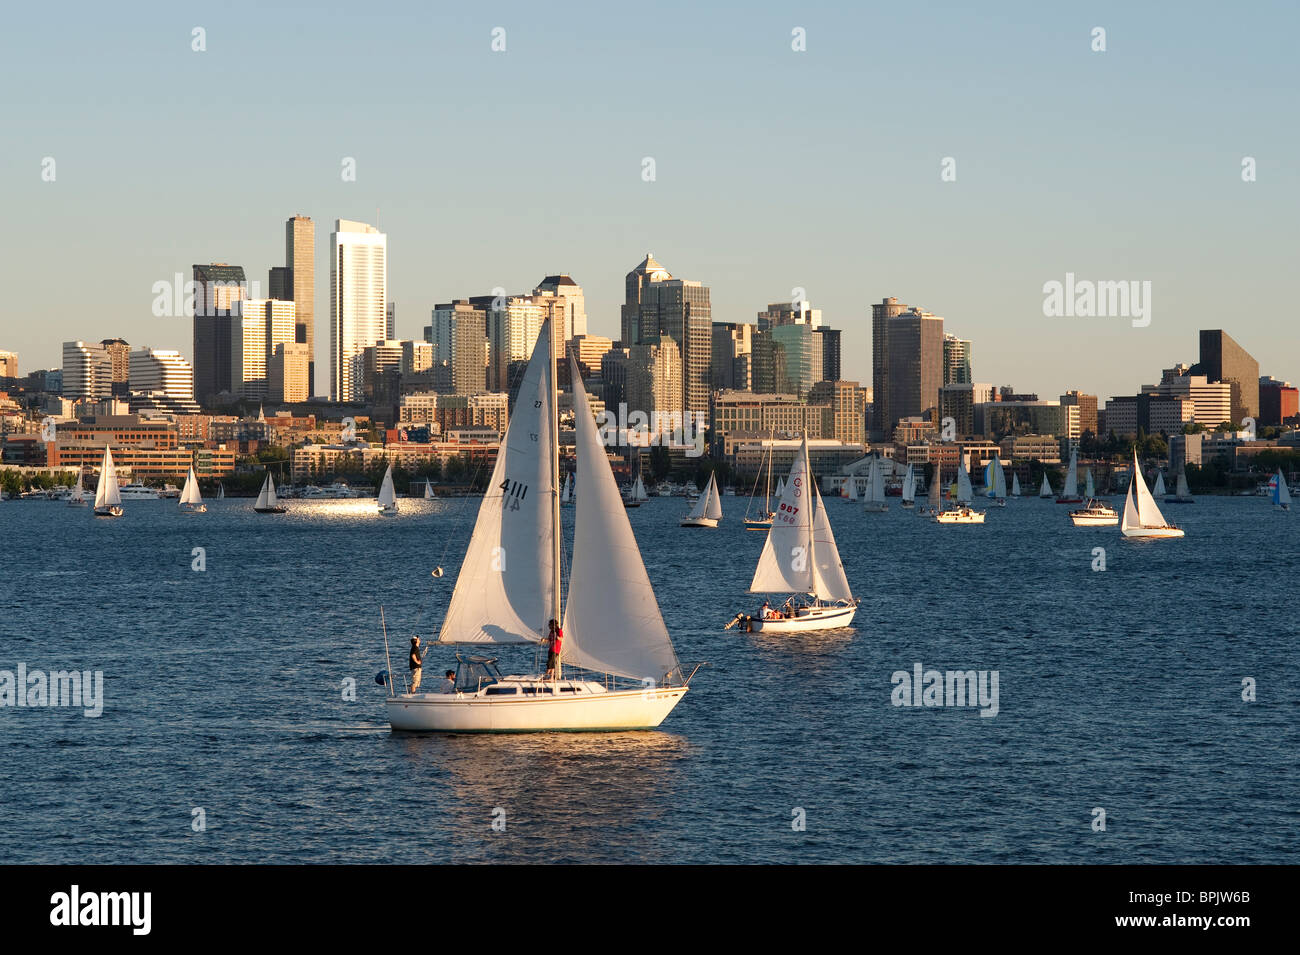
<point x="448" y="685"/>
<point x="416" y="664"/>
<point x="554" y="638"/>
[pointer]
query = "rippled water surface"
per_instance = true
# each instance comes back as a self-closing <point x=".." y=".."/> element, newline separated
<point x="1119" y="689"/>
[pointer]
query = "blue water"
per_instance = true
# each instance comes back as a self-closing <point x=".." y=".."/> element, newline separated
<point x="1119" y="689"/>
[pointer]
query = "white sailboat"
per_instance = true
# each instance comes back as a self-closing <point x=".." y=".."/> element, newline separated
<point x="875" y="495"/>
<point x="108" y="499"/>
<point x="851" y="488"/>
<point x="764" y="519"/>
<point x="909" y="487"/>
<point x="1015" y="485"/>
<point x="77" y="498"/>
<point x="1142" y="518"/>
<point x="221" y="492"/>
<point x="1279" y="492"/>
<point x="963" y="513"/>
<point x="934" y="497"/>
<point x="1046" y="489"/>
<point x="611" y="621"/>
<point x="1089" y="489"/>
<point x="267" y="502"/>
<point x="800" y="556"/>
<point x="387" y="499"/>
<point x="566" y="498"/>
<point x="780" y="488"/>
<point x="191" y="501"/>
<point x="1159" y="489"/>
<point x="428" y="490"/>
<point x="636" y="495"/>
<point x="1181" y="495"/>
<point x="999" y="489"/>
<point x="1070" y="495"/>
<point x="707" y="511"/>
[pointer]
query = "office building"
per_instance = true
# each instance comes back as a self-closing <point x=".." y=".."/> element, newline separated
<point x="907" y="363"/>
<point x="358" y="302"/>
<point x="635" y="285"/>
<point x="1223" y="360"/>
<point x="1279" y="402"/>
<point x="217" y="289"/>
<point x="956" y="360"/>
<point x="1087" y="410"/>
<point x="830" y="346"/>
<point x="87" y="371"/>
<point x="287" y="372"/>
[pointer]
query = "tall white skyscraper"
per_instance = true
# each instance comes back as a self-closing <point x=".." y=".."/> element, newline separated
<point x="259" y="328"/>
<point x="358" y="302"/>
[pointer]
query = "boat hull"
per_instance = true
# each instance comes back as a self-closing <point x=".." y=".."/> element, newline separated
<point x="699" y="522"/>
<point x="113" y="511"/>
<point x="388" y="511"/>
<point x="817" y="618"/>
<point x="959" y="517"/>
<point x="758" y="525"/>
<point x="270" y="510"/>
<point x="1093" y="520"/>
<point x="466" y="713"/>
<point x="1152" y="532"/>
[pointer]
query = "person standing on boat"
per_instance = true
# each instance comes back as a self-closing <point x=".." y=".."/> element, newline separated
<point x="554" y="637"/>
<point x="416" y="664"/>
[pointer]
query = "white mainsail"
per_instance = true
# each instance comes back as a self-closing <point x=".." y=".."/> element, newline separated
<point x="999" y="480"/>
<point x="876" y="488"/>
<point x="1159" y="489"/>
<point x="612" y="622"/>
<point x="780" y="488"/>
<point x="190" y="494"/>
<point x="1015" y="485"/>
<point x="829" y="580"/>
<point x="1139" y="506"/>
<point x="428" y="489"/>
<point x="851" y="487"/>
<point x="78" y="492"/>
<point x="909" y="485"/>
<point x="106" y="492"/>
<point x="1281" y="493"/>
<point x="506" y="589"/>
<point x="964" y="491"/>
<point x="784" y="565"/>
<point x="1181" y="491"/>
<point x="1072" y="475"/>
<point x="1089" y="490"/>
<point x="935" y="494"/>
<point x="638" y="490"/>
<point x="1046" y="489"/>
<point x="266" y="498"/>
<point x="387" y="493"/>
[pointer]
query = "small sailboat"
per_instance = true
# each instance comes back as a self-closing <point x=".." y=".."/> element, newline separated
<point x="875" y="494"/>
<point x="1278" y="491"/>
<point x="566" y="498"/>
<point x="266" y="500"/>
<point x="78" y="496"/>
<point x="1142" y="518"/>
<point x="707" y="511"/>
<point x="428" y="490"/>
<point x="636" y="494"/>
<point x="611" y="626"/>
<point x="850" y="492"/>
<point x="934" y="497"/>
<point x="909" y="488"/>
<point x="191" y="500"/>
<point x="800" y="556"/>
<point x="1015" y="485"/>
<point x="1159" y="489"/>
<point x="387" y="499"/>
<point x="780" y="488"/>
<point x="221" y="492"/>
<point x="1089" y="489"/>
<point x="108" y="499"/>
<point x="1070" y="495"/>
<point x="1046" y="489"/>
<point x="963" y="513"/>
<point x="763" y="520"/>
<point x="999" y="489"/>
<point x="1181" y="495"/>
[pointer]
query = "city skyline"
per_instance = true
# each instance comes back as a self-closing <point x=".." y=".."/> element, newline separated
<point x="1099" y="171"/>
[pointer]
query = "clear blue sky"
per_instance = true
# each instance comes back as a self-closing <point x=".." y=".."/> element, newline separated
<point x="775" y="169"/>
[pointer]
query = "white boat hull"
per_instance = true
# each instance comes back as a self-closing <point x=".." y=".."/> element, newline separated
<point x="193" y="508"/>
<point x="810" y="618"/>
<point x="1094" y="520"/>
<point x="959" y="517"/>
<point x="471" y="713"/>
<point x="389" y="511"/>
<point x="699" y="522"/>
<point x="1140" y="532"/>
<point x="110" y="511"/>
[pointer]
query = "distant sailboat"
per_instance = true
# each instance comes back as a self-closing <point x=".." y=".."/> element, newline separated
<point x="636" y="495"/>
<point x="800" y="556"/>
<point x="851" y="488"/>
<point x="612" y="626"/>
<point x="764" y="518"/>
<point x="566" y="498"/>
<point x="267" y="502"/>
<point x="965" y="493"/>
<point x="1089" y="490"/>
<point x="1046" y="489"/>
<point x="875" y="496"/>
<point x="1015" y="485"/>
<point x="387" y="499"/>
<point x="221" y="492"/>
<point x="1142" y="518"/>
<point x="78" y="496"/>
<point x="1070" y="495"/>
<point x="1159" y="489"/>
<point x="428" y="490"/>
<point x="963" y="513"/>
<point x="909" y="487"/>
<point x="108" y="499"/>
<point x="1281" y="494"/>
<point x="1181" y="495"/>
<point x="191" y="501"/>
<point x="934" y="498"/>
<point x="780" y="488"/>
<point x="708" y="509"/>
<point x="999" y="489"/>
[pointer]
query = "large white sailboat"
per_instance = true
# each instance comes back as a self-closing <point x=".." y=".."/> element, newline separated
<point x="1142" y="518"/>
<point x="875" y="495"/>
<point x="763" y="520"/>
<point x="963" y="513"/>
<point x="707" y="511"/>
<point x="266" y="502"/>
<point x="108" y="499"/>
<point x="612" y="626"/>
<point x="387" y="497"/>
<point x="909" y="487"/>
<point x="800" y="557"/>
<point x="1279" y="492"/>
<point x="191" y="500"/>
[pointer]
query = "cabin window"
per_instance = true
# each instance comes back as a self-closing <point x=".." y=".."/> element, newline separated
<point x="502" y="691"/>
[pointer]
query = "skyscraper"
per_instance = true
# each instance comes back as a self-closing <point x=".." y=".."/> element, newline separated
<point x="678" y="309"/>
<point x="830" y="353"/>
<point x="120" y="353"/>
<point x="358" y="302"/>
<point x="87" y="371"/>
<point x="216" y="288"/>
<point x="906" y="361"/>
<point x="564" y="302"/>
<point x="635" y="283"/>
<point x="956" y="360"/>
<point x="733" y="352"/>
<point x="300" y="259"/>
<point x="162" y="372"/>
<point x="882" y="422"/>
<point x="459" y="334"/>
<point x="1087" y="409"/>
<point x="262" y="326"/>
<point x="1222" y="359"/>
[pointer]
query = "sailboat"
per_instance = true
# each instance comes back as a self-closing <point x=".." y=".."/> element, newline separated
<point x="636" y="493"/>
<point x="566" y="498"/>
<point x="707" y="511"/>
<point x="221" y="492"/>
<point x="963" y="513"/>
<point x="78" y="496"/>
<point x="850" y="492"/>
<point x="1280" y="493"/>
<point x="764" y="520"/>
<point x="108" y="500"/>
<point x="266" y="501"/>
<point x="1141" y="516"/>
<point x="1159" y="489"/>
<point x="1089" y="489"/>
<point x="780" y="488"/>
<point x="875" y="495"/>
<point x="387" y="499"/>
<point x="999" y="489"/>
<point x="428" y="490"/>
<point x="1015" y="485"/>
<point x="934" y="497"/>
<point x="909" y="488"/>
<point x="800" y="556"/>
<point x="1046" y="489"/>
<point x="1070" y="495"/>
<point x="191" y="500"/>
<point x="611" y="627"/>
<point x="1181" y="495"/>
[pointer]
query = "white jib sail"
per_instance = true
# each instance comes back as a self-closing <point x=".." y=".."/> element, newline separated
<point x="999" y="479"/>
<point x="387" y="493"/>
<point x="1281" y="493"/>
<point x="909" y="485"/>
<point x="1159" y="489"/>
<point x="1089" y="489"/>
<point x="1015" y="485"/>
<point x="106" y="493"/>
<point x="714" y="509"/>
<point x="612" y="622"/>
<point x="1046" y="489"/>
<point x="505" y="591"/>
<point x="785" y="564"/>
<point x="830" y="583"/>
<point x="877" y="481"/>
<point x="964" y="491"/>
<point x="1072" y="476"/>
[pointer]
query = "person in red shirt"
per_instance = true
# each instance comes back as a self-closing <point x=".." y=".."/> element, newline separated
<point x="554" y="638"/>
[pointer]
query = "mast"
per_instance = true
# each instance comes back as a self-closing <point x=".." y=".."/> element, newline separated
<point x="555" y="481"/>
<point x="812" y="514"/>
